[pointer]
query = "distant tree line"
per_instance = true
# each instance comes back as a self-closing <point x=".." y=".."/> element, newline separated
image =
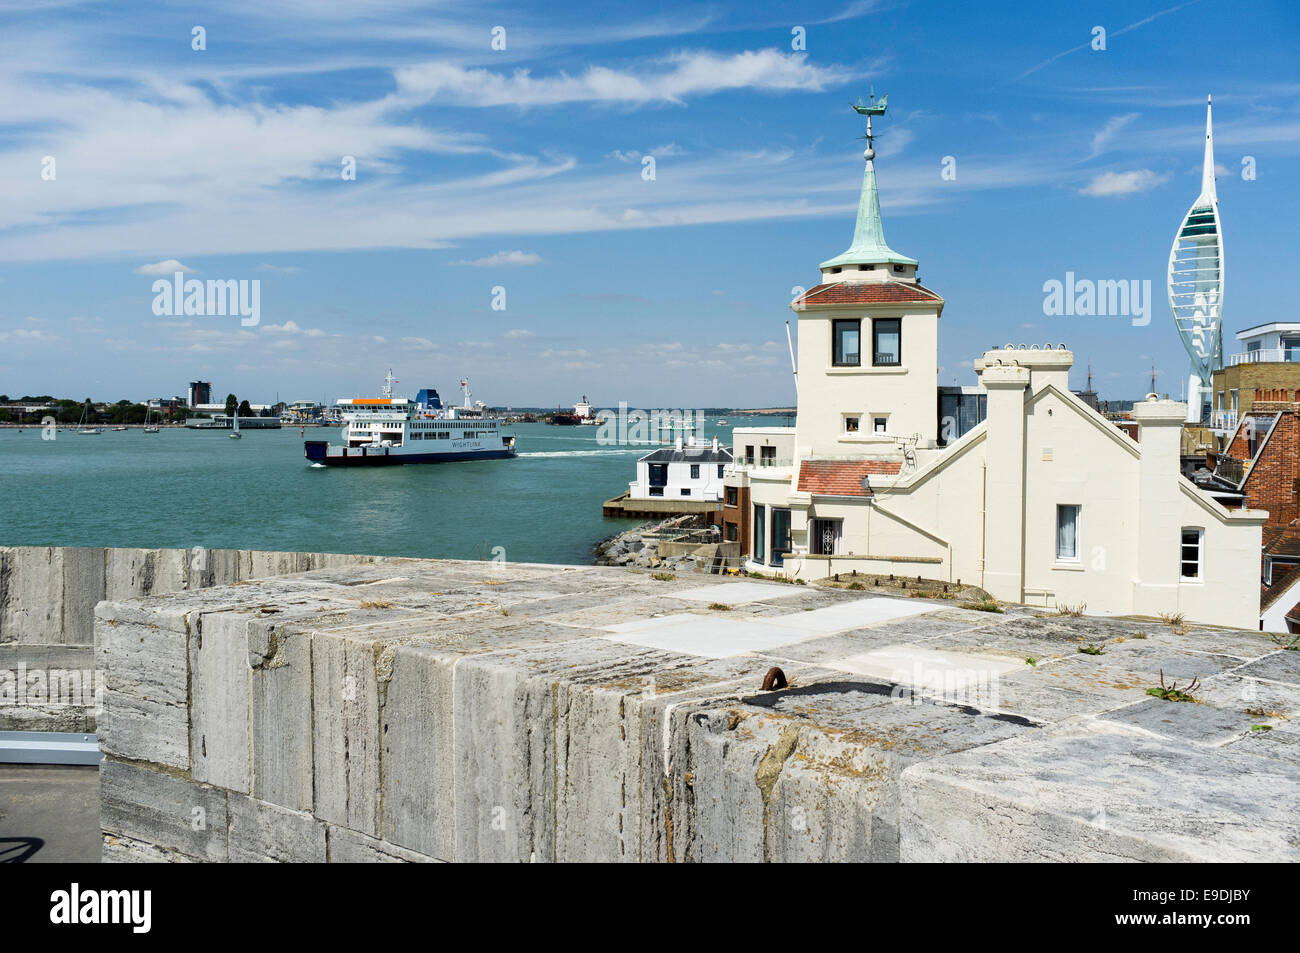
<point x="67" y="411"/>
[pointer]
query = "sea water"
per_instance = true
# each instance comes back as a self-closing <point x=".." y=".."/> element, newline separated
<point x="185" y="488"/>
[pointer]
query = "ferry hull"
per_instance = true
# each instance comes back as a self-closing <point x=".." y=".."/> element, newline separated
<point x="317" y="452"/>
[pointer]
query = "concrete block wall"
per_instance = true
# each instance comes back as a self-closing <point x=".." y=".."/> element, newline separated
<point x="47" y="602"/>
<point x="458" y="711"/>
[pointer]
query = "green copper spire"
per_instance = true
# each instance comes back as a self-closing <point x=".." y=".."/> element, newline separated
<point x="869" y="246"/>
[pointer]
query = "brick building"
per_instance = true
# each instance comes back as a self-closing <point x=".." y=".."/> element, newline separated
<point x="1262" y="459"/>
<point x="1260" y="470"/>
<point x="1266" y="369"/>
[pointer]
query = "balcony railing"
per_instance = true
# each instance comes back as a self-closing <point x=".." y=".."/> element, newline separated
<point x="1224" y="420"/>
<point x="761" y="463"/>
<point x="1230" y="469"/>
<point x="1266" y="355"/>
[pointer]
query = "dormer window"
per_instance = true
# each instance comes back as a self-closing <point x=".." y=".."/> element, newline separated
<point x="866" y="267"/>
<point x="835" y="271"/>
<point x="898" y="269"/>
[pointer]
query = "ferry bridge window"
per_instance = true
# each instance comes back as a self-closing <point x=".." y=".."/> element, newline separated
<point x="845" y="335"/>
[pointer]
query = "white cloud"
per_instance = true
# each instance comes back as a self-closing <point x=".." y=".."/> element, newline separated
<point x="1109" y="184"/>
<point x="167" y="268"/>
<point x="504" y="259"/>
<point x="518" y="334"/>
<point x="670" y="80"/>
<point x="659" y="152"/>
<point x="1108" y="132"/>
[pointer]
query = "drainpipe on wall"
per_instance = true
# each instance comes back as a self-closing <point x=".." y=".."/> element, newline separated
<point x="984" y="509"/>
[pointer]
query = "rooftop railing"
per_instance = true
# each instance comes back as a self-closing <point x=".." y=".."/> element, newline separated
<point x="1266" y="355"/>
<point x="761" y="463"/>
<point x="1230" y="469"/>
<point x="1224" y="420"/>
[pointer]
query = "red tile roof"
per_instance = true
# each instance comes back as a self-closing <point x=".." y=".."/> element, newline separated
<point x="866" y="292"/>
<point x="842" y="477"/>
<point x="1281" y="540"/>
<point x="1284" y="575"/>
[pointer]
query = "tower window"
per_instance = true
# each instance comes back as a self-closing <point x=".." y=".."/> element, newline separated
<point x="845" y="347"/>
<point x="886" y="342"/>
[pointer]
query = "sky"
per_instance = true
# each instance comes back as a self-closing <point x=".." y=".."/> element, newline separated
<point x="501" y="222"/>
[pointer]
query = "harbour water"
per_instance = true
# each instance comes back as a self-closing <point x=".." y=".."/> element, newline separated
<point x="186" y="488"/>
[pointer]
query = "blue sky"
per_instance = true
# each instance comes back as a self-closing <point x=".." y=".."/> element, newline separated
<point x="522" y="168"/>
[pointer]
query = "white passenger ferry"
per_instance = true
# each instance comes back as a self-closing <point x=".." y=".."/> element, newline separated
<point x="379" y="431"/>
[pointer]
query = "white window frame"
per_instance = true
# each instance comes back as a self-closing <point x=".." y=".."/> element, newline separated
<point x="880" y="417"/>
<point x="857" y="423"/>
<point x="1200" y="554"/>
<point x="1078" y="533"/>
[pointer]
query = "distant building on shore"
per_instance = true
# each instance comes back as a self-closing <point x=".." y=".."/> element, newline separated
<point x="200" y="393"/>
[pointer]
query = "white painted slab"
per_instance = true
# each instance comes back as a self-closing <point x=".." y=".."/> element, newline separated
<point x="704" y="635"/>
<point x="720" y="636"/>
<point x="849" y="615"/>
<point x="927" y="668"/>
<point x="740" y="593"/>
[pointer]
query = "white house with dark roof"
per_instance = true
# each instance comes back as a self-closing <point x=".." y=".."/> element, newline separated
<point x="688" y="470"/>
<point x="1037" y="498"/>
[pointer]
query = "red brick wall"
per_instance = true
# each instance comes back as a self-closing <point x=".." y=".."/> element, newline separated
<point x="739" y="516"/>
<point x="1273" y="481"/>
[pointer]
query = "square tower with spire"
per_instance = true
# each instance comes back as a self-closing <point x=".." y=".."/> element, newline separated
<point x="868" y="341"/>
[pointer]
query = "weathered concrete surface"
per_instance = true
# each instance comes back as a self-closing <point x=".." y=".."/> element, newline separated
<point x="47" y="606"/>
<point x="49" y="814"/>
<point x="460" y="711"/>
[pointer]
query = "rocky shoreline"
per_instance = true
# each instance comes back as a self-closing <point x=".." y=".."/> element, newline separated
<point x="639" y="548"/>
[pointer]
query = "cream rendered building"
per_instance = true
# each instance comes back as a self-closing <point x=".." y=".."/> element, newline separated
<point x="1044" y="501"/>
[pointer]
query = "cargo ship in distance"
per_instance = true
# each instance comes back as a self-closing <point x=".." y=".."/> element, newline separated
<point x="382" y="431"/>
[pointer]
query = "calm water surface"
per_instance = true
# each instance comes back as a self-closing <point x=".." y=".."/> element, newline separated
<point x="184" y="488"/>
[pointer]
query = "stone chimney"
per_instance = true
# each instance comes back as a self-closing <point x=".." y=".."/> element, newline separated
<point x="1160" y="427"/>
<point x="1004" y="486"/>
<point x="1046" y="365"/>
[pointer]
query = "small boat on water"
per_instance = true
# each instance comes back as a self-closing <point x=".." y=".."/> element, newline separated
<point x="235" y="434"/>
<point x="382" y="431"/>
<point x="82" y="429"/>
<point x="722" y="422"/>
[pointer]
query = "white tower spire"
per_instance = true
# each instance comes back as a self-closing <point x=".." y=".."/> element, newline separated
<point x="1208" y="195"/>
<point x="1196" y="283"/>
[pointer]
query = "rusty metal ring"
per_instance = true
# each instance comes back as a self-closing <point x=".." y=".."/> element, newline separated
<point x="774" y="679"/>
